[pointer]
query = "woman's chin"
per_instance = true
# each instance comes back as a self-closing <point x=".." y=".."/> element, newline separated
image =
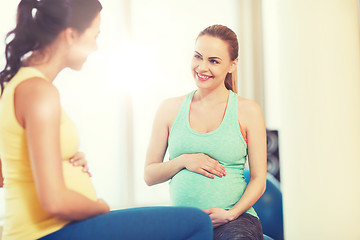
<point x="76" y="68"/>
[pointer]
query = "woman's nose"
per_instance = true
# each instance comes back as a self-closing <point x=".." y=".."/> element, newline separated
<point x="202" y="66"/>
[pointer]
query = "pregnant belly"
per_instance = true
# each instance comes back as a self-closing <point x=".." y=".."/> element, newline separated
<point x="192" y="189"/>
<point x="78" y="181"/>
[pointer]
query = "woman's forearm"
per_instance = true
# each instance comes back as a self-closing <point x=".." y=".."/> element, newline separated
<point x="253" y="192"/>
<point x="72" y="206"/>
<point x="159" y="172"/>
<point x="200" y="163"/>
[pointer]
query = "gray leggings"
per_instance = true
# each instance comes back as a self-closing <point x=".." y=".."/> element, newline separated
<point x="244" y="227"/>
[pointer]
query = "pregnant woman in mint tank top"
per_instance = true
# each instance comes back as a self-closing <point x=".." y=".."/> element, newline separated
<point x="210" y="133"/>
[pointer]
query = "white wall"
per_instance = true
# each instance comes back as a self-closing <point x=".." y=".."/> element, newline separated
<point x="272" y="66"/>
<point x="312" y="81"/>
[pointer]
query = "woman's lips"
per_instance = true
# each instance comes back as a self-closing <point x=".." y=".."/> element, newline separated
<point x="203" y="77"/>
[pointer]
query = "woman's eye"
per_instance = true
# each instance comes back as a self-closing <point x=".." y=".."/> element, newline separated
<point x="214" y="61"/>
<point x="197" y="56"/>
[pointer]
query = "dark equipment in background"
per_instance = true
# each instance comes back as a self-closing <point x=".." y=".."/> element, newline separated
<point x="273" y="164"/>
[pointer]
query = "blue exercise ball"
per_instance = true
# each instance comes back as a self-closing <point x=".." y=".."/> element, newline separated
<point x="269" y="207"/>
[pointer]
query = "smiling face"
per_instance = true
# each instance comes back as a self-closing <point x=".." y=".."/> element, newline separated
<point x="84" y="44"/>
<point x="211" y="62"/>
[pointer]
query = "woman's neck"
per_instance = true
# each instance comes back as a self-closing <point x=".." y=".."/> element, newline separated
<point x="48" y="70"/>
<point x="48" y="64"/>
<point x="211" y="96"/>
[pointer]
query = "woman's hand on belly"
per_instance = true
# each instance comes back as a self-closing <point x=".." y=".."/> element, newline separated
<point x="219" y="216"/>
<point x="79" y="160"/>
<point x="204" y="165"/>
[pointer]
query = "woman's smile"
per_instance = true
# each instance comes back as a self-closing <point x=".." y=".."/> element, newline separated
<point x="203" y="77"/>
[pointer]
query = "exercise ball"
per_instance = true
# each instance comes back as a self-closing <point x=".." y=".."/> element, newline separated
<point x="269" y="207"/>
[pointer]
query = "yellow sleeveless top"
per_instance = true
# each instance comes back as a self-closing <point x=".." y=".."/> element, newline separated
<point x="24" y="216"/>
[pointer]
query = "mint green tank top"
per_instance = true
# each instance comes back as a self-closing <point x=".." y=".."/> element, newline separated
<point x="225" y="144"/>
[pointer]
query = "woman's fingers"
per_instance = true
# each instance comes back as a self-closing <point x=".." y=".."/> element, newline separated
<point x="86" y="170"/>
<point x="205" y="173"/>
<point x="215" y="164"/>
<point x="205" y="165"/>
<point x="210" y="171"/>
<point x="79" y="160"/>
<point x="215" y="167"/>
<point x="213" y="170"/>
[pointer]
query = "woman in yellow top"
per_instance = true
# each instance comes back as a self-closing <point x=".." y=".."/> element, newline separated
<point x="45" y="196"/>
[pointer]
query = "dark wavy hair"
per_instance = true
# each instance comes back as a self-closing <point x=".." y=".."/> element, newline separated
<point x="38" y="23"/>
<point x="227" y="35"/>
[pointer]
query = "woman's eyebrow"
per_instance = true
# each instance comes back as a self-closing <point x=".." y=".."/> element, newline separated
<point x="209" y="57"/>
<point x="215" y="58"/>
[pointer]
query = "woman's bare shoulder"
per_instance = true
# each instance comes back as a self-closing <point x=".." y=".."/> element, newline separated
<point x="172" y="104"/>
<point x="36" y="87"/>
<point x="248" y="109"/>
<point x="168" y="109"/>
<point x="36" y="96"/>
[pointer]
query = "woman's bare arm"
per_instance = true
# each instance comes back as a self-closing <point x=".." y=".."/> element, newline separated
<point x="256" y="135"/>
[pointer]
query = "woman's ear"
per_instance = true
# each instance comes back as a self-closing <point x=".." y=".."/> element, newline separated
<point x="70" y="35"/>
<point x="233" y="65"/>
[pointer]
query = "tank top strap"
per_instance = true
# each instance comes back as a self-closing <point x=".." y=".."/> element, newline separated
<point x="188" y="100"/>
<point x="183" y="114"/>
<point x="22" y="75"/>
<point x="232" y="108"/>
<point x="233" y="112"/>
